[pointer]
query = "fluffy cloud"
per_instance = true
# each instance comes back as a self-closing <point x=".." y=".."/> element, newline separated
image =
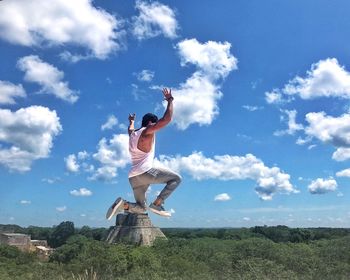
<point x="71" y="163"/>
<point x="343" y="173"/>
<point x="47" y="76"/>
<point x="274" y="97"/>
<point x="154" y="19"/>
<point x="35" y="23"/>
<point x="28" y="134"/>
<point x="325" y="79"/>
<point x="196" y="102"/>
<point x="222" y="197"/>
<point x="292" y="125"/>
<point x="145" y="75"/>
<point x="111" y="155"/>
<point x="213" y="59"/>
<point x="81" y="192"/>
<point x="341" y="154"/>
<point x="270" y="180"/>
<point x="197" y="98"/>
<point x="333" y="130"/>
<point x="322" y="186"/>
<point x="9" y="91"/>
<point x="110" y="123"/>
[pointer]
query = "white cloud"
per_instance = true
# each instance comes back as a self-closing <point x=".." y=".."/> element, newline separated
<point x="154" y="19"/>
<point x="47" y="76"/>
<point x="269" y="180"/>
<point x="292" y="125"/>
<point x="61" y="208"/>
<point x="322" y="186"/>
<point x="325" y="79"/>
<point x="341" y="154"/>
<point x="172" y="210"/>
<point x="340" y="194"/>
<point x="222" y="197"/>
<point x="25" y="202"/>
<point x="83" y="155"/>
<point x="332" y="130"/>
<point x="195" y="102"/>
<point x="51" y="180"/>
<point x="196" y="99"/>
<point x="343" y="173"/>
<point x="29" y="134"/>
<point x="247" y="219"/>
<point x="111" y="155"/>
<point x="110" y="123"/>
<point x="73" y="58"/>
<point x="9" y="91"/>
<point x="35" y="23"/>
<point x="274" y="97"/>
<point x="81" y="192"/>
<point x="251" y="108"/>
<point x="145" y="75"/>
<point x="213" y="59"/>
<point x="71" y="163"/>
<point x="301" y="141"/>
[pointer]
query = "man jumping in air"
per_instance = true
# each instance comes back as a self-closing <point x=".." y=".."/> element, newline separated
<point x="142" y="173"/>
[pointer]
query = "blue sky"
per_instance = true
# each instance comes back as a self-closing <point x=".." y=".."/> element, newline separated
<point x="261" y="128"/>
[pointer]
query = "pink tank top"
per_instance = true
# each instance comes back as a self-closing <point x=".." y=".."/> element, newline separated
<point x="140" y="161"/>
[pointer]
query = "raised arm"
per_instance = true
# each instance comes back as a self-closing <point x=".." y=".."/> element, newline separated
<point x="131" y="127"/>
<point x="168" y="114"/>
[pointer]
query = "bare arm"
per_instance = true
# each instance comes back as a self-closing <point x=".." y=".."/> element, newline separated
<point x="167" y="114"/>
<point x="131" y="127"/>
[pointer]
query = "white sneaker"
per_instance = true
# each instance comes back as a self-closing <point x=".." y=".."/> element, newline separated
<point x="116" y="207"/>
<point x="159" y="210"/>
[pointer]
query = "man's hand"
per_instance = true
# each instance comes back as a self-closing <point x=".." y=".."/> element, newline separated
<point x="167" y="94"/>
<point x="132" y="117"/>
<point x="131" y="127"/>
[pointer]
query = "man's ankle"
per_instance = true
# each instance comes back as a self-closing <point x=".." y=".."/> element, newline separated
<point x="126" y="206"/>
<point x="158" y="202"/>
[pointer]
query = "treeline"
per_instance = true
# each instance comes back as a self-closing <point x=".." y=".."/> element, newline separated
<point x="274" y="233"/>
<point x="178" y="258"/>
<point x="58" y="235"/>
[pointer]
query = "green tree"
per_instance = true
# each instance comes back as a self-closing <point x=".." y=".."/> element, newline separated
<point x="61" y="233"/>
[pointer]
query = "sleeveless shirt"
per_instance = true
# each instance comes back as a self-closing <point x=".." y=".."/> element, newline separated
<point x="141" y="162"/>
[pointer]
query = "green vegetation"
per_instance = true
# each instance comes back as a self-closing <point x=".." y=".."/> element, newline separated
<point x="255" y="253"/>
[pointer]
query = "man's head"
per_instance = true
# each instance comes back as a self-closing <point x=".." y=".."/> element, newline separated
<point x="149" y="117"/>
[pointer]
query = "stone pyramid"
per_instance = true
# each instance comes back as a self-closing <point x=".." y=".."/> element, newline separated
<point x="134" y="228"/>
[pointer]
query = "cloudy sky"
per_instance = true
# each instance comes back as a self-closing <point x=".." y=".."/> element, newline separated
<point x="261" y="128"/>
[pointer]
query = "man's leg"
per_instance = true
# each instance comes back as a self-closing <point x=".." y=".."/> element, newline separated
<point x="139" y="188"/>
<point x="170" y="178"/>
<point x="141" y="183"/>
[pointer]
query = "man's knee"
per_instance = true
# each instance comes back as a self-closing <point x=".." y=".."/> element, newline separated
<point x="178" y="179"/>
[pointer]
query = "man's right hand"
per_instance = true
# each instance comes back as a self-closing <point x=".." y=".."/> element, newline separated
<point x="132" y="117"/>
<point x="167" y="94"/>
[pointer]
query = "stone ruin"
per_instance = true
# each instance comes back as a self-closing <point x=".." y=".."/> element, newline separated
<point x="19" y="240"/>
<point x="134" y="228"/>
<point x="24" y="243"/>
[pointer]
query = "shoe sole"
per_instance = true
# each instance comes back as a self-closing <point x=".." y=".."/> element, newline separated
<point x="160" y="213"/>
<point x="114" y="209"/>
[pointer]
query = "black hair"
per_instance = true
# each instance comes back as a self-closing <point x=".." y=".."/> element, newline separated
<point x="149" y="117"/>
